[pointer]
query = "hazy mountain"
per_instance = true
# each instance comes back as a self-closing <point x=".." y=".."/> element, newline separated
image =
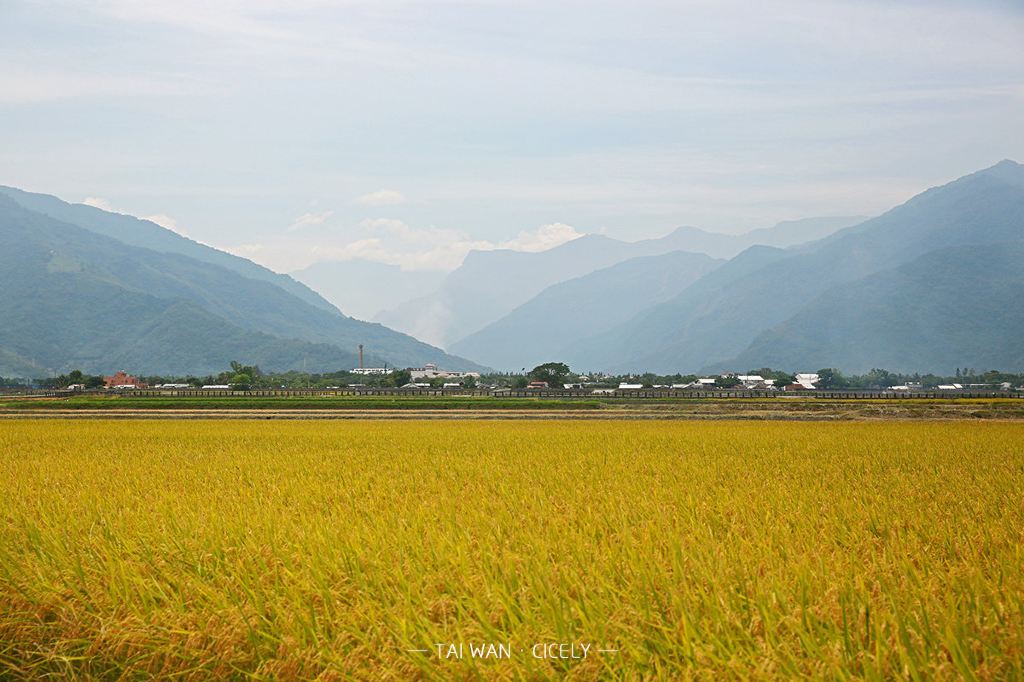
<point x="788" y="233"/>
<point x="364" y="288"/>
<point x="715" y="320"/>
<point x="491" y="284"/>
<point x="959" y="306"/>
<point x="137" y="232"/>
<point x="76" y="298"/>
<point x="618" y="346"/>
<point x="547" y="326"/>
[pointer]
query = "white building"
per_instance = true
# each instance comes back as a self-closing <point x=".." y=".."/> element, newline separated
<point x="367" y="371"/>
<point x="430" y="371"/>
<point x="755" y="381"/>
<point x="808" y="380"/>
<point x="630" y="387"/>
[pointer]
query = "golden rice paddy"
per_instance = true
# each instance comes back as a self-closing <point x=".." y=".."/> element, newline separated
<point x="383" y="550"/>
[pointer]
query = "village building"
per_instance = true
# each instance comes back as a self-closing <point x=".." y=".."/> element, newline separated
<point x="120" y="379"/>
<point x="756" y="382"/>
<point x="808" y="381"/>
<point x="430" y="371"/>
<point x="370" y="371"/>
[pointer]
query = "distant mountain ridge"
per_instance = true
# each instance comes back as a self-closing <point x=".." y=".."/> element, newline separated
<point x="932" y="284"/>
<point x="784" y="234"/>
<point x="75" y="297"/>
<point x="933" y="312"/>
<point x="719" y="320"/>
<point x="491" y="284"/>
<point x="546" y="327"/>
<point x="134" y="231"/>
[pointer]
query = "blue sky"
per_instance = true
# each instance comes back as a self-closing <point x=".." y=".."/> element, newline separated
<point x="410" y="132"/>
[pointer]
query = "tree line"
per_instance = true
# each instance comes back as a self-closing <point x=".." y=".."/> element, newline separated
<point x="555" y="374"/>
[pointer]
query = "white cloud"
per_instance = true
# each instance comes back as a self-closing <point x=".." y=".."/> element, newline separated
<point x="100" y="203"/>
<point x="248" y="250"/>
<point x="161" y="219"/>
<point x="166" y="221"/>
<point x="309" y="219"/>
<point x="394" y="242"/>
<point x="26" y="83"/>
<point x="543" y="238"/>
<point x="382" y="197"/>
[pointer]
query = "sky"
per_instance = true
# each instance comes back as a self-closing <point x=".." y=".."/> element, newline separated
<point x="297" y="131"/>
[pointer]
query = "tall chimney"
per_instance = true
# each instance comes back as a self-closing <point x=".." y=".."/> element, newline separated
<point x="360" y="356"/>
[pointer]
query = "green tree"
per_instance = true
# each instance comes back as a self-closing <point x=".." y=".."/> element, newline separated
<point x="399" y="378"/>
<point x="880" y="378"/>
<point x="781" y="378"/>
<point x="727" y="382"/>
<point x="241" y="382"/>
<point x="554" y="373"/>
<point x="831" y="378"/>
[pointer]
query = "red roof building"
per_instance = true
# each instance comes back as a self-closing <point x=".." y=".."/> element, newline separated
<point x="121" y="379"/>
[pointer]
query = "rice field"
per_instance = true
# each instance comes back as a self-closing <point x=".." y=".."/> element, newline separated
<point x="582" y="550"/>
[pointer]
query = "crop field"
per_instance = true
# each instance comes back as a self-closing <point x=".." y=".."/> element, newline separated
<point x="511" y="549"/>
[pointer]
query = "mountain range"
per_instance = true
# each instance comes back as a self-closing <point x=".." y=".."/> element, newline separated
<point x="97" y="291"/>
<point x="546" y="326"/>
<point x="490" y="284"/>
<point x="917" y="267"/>
<point x="930" y="285"/>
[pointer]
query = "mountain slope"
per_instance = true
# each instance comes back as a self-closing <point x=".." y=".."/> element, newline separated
<point x="148" y="235"/>
<point x="82" y="279"/>
<point x="959" y="306"/>
<point x="62" y="310"/>
<point x="709" y="324"/>
<point x="618" y="346"/>
<point x="546" y="327"/>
